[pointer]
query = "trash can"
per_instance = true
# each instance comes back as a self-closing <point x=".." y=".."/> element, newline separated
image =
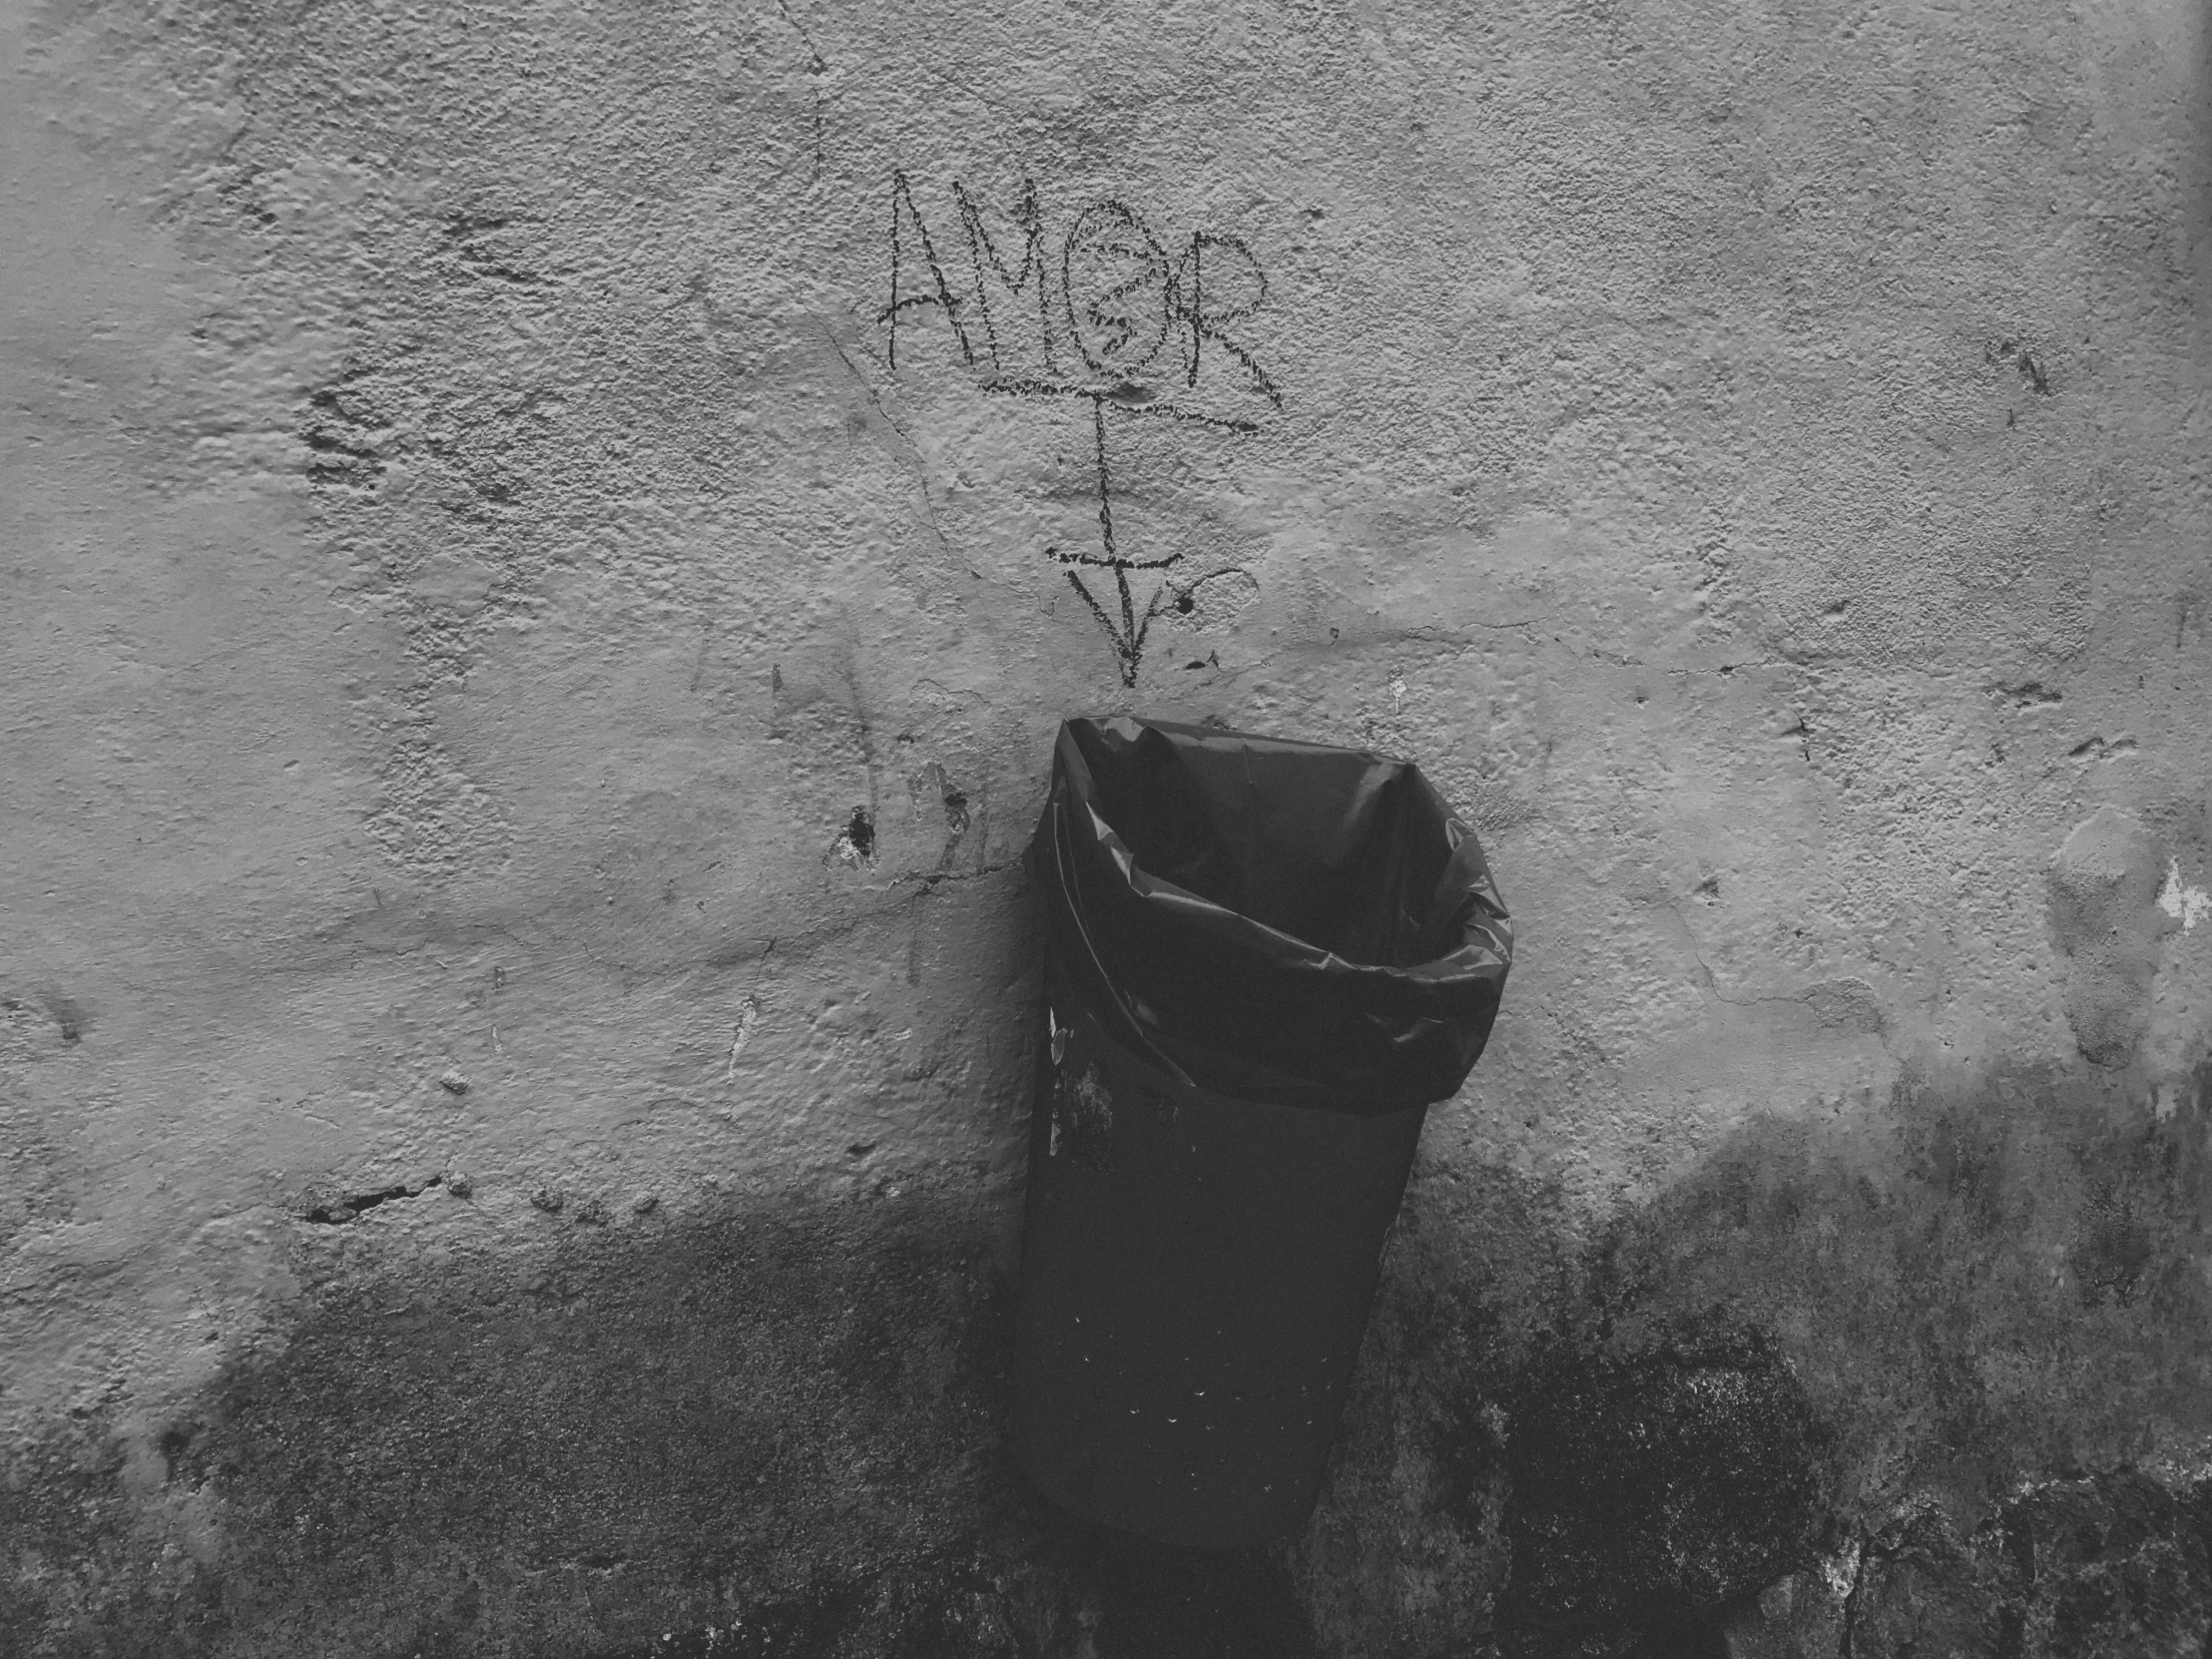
<point x="1263" y="960"/>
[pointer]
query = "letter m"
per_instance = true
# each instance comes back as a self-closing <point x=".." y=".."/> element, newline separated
<point x="1010" y="336"/>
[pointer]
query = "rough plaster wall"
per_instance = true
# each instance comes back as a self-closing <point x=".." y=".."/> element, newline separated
<point x="520" y="722"/>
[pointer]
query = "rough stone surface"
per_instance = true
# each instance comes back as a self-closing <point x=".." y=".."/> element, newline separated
<point x="530" y="649"/>
<point x="1652" y="1493"/>
<point x="2116" y="1564"/>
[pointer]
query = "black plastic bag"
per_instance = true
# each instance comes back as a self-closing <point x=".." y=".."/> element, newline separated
<point x="1281" y="921"/>
<point x="1263" y="959"/>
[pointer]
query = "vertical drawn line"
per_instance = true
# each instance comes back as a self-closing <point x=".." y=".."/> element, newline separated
<point x="1044" y="308"/>
<point x="1198" y="302"/>
<point x="891" y="310"/>
<point x="1105" y="512"/>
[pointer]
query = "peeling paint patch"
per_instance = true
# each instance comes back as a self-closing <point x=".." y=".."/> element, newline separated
<point x="2103" y="909"/>
<point x="2186" y="904"/>
<point x="855" y="842"/>
<point x="749" y="1015"/>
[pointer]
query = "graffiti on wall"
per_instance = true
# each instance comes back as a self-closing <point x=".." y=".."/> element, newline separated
<point x="1107" y="315"/>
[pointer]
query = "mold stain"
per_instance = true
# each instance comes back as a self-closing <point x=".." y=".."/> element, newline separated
<point x="614" y="1429"/>
<point x="770" y="1434"/>
<point x="778" y="1428"/>
<point x="1938" y="1299"/>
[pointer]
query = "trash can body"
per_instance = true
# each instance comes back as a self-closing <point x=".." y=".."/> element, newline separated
<point x="1197" y="1274"/>
<point x="1232" y="1072"/>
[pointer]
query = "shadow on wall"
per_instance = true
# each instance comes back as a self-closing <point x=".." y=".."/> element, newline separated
<point x="1784" y="1409"/>
<point x="771" y="1433"/>
<point x="1821" y="1386"/>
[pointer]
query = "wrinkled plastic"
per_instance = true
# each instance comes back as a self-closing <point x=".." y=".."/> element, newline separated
<point x="1263" y="960"/>
<point x="1276" y="920"/>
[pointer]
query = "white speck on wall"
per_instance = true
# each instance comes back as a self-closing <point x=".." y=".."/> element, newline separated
<point x="1841" y="1569"/>
<point x="2186" y="904"/>
<point x="1397" y="692"/>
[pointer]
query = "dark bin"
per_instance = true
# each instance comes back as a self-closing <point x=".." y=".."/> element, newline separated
<point x="1263" y="959"/>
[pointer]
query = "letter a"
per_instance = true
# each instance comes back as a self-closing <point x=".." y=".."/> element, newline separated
<point x="916" y="276"/>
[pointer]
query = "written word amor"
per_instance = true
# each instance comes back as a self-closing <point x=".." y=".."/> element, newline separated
<point x="1106" y="309"/>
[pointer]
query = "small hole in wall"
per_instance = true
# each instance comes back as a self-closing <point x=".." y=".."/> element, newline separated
<point x="171" y="1447"/>
<point x="861" y="832"/>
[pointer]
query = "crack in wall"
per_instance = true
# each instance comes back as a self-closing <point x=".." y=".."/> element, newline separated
<point x="337" y="1212"/>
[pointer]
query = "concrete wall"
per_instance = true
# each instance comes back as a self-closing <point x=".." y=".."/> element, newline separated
<point x="520" y="719"/>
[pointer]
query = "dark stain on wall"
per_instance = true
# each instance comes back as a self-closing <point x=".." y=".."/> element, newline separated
<point x="859" y="834"/>
<point x="615" y="1428"/>
<point x="766" y="1433"/>
<point x="2116" y="1564"/>
<point x="1634" y="1437"/>
<point x="1926" y="1343"/>
<point x="1653" y="1491"/>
